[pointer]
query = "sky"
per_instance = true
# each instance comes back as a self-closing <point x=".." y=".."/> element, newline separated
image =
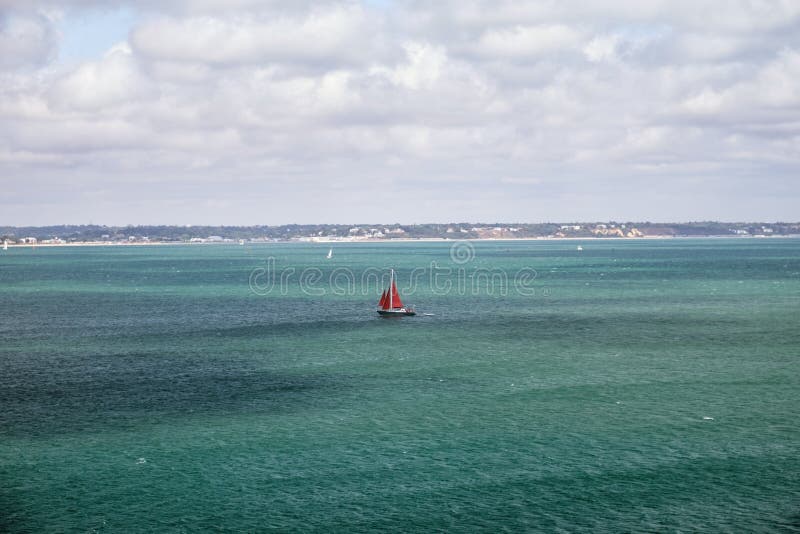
<point x="243" y="112"/>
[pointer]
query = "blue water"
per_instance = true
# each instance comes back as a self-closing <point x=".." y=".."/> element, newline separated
<point x="632" y="386"/>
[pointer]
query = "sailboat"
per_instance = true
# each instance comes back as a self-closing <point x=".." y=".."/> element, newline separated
<point x="5" y="245"/>
<point x="390" y="304"/>
<point x="330" y="254"/>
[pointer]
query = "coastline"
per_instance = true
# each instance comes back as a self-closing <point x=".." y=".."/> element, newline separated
<point x="323" y="241"/>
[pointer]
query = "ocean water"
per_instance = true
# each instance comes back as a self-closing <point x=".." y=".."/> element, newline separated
<point x="632" y="386"/>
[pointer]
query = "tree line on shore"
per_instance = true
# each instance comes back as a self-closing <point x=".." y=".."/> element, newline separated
<point x="165" y="233"/>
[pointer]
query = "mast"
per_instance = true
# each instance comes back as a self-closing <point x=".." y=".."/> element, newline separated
<point x="391" y="286"/>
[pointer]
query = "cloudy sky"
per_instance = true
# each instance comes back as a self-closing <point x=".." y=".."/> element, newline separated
<point x="271" y="112"/>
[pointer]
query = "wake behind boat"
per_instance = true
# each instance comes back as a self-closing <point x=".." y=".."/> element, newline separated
<point x="390" y="304"/>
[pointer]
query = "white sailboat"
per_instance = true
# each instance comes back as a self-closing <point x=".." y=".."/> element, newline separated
<point x="330" y="254"/>
<point x="5" y="245"/>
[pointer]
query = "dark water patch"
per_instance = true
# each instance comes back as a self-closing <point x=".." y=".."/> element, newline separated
<point x="135" y="390"/>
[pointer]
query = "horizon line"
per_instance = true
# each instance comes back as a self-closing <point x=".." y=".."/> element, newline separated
<point x="486" y="223"/>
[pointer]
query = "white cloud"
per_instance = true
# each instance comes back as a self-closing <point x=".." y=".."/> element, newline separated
<point x="75" y="137"/>
<point x="602" y="48"/>
<point x="279" y="97"/>
<point x="319" y="36"/>
<point x="711" y="47"/>
<point x="773" y="86"/>
<point x="115" y="80"/>
<point x="527" y="41"/>
<point x="423" y="68"/>
<point x="26" y="40"/>
<point x="706" y="102"/>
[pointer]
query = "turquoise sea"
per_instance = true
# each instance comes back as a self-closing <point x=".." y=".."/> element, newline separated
<point x="633" y="386"/>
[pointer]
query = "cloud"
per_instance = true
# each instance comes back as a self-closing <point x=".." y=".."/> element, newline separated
<point x="26" y="40"/>
<point x="423" y="69"/>
<point x="459" y="102"/>
<point x="527" y="41"/>
<point x="602" y="48"/>
<point x="113" y="81"/>
<point x="772" y="94"/>
<point x="321" y="36"/>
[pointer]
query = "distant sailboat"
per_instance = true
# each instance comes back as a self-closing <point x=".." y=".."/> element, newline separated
<point x="580" y="247"/>
<point x="330" y="254"/>
<point x="5" y="245"/>
<point x="390" y="303"/>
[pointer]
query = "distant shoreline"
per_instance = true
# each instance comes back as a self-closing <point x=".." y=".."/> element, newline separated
<point x="324" y="241"/>
<point x="96" y="235"/>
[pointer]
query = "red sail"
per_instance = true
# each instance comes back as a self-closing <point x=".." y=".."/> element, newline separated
<point x="396" y="302"/>
<point x="384" y="302"/>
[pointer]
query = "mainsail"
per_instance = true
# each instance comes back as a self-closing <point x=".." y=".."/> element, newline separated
<point x="395" y="297"/>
